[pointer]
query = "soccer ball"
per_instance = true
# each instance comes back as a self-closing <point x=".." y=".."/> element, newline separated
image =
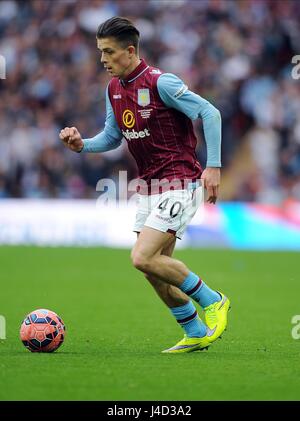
<point x="42" y="331"/>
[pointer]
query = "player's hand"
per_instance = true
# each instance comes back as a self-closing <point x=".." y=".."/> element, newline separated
<point x="211" y="180"/>
<point x="71" y="138"/>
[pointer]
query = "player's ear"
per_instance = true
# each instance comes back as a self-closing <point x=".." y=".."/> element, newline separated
<point x="131" y="50"/>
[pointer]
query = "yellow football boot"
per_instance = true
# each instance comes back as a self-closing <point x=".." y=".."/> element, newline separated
<point x="216" y="318"/>
<point x="188" y="345"/>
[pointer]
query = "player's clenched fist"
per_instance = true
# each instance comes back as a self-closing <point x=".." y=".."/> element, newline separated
<point x="71" y="138"/>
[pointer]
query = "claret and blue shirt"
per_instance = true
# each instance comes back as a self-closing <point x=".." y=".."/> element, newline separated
<point x="153" y="112"/>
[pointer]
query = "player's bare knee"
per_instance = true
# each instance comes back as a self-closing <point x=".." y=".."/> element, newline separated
<point x="140" y="262"/>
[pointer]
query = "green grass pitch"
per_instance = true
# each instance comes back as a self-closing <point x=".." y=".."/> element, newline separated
<point x="117" y="326"/>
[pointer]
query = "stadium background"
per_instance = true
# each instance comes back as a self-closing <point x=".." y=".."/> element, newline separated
<point x="238" y="55"/>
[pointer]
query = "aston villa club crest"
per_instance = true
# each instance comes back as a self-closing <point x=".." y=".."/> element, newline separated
<point x="143" y="97"/>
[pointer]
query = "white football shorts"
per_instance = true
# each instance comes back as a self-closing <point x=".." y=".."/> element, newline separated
<point x="170" y="211"/>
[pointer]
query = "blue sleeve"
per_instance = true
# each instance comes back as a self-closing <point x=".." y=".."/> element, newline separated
<point x="175" y="94"/>
<point x="111" y="136"/>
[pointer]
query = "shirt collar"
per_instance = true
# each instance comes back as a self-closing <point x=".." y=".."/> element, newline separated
<point x="136" y="72"/>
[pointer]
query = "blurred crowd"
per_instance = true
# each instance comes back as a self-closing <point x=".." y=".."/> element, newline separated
<point x="237" y="54"/>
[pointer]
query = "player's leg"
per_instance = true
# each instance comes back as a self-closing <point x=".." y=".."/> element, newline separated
<point x="169" y="294"/>
<point x="178" y="302"/>
<point x="173" y="211"/>
<point x="180" y="305"/>
<point x="147" y="257"/>
<point x="183" y="309"/>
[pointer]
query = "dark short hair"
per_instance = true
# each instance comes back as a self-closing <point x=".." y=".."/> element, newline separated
<point x="121" y="29"/>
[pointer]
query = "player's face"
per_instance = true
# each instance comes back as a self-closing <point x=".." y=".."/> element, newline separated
<point x="116" y="59"/>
